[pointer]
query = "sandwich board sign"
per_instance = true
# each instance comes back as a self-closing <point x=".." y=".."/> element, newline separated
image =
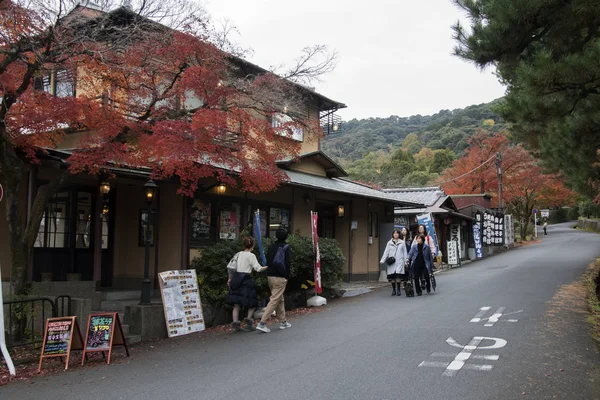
<point x="103" y="332"/>
<point x="61" y="336"/>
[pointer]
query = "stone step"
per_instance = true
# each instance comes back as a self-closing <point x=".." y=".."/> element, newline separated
<point x="117" y="305"/>
<point x="116" y="295"/>
<point x="132" y="339"/>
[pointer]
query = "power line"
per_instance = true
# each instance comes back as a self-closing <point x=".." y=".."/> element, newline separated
<point x="470" y="172"/>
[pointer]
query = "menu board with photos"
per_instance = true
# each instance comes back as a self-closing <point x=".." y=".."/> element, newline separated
<point x="228" y="223"/>
<point x="181" y="302"/>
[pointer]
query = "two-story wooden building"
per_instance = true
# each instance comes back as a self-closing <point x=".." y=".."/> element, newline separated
<point x="93" y="230"/>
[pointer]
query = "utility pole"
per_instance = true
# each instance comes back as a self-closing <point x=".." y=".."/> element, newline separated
<point x="499" y="173"/>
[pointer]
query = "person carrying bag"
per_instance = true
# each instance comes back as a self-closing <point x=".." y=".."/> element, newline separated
<point x="242" y="292"/>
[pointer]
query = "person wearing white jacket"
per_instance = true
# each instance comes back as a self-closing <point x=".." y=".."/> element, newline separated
<point x="394" y="258"/>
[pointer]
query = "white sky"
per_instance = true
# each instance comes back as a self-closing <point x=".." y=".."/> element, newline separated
<point x="395" y="57"/>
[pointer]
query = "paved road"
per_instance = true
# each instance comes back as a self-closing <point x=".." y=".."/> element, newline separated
<point x="372" y="347"/>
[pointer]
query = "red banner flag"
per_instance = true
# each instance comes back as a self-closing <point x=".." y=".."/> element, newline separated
<point x="315" y="219"/>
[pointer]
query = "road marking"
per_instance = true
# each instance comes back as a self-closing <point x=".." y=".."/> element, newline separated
<point x="495" y="317"/>
<point x="481" y="313"/>
<point x="460" y="360"/>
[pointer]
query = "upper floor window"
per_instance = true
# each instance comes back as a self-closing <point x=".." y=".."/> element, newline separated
<point x="60" y="83"/>
<point x="279" y="120"/>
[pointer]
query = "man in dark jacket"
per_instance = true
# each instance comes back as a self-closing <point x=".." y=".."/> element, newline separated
<point x="279" y="264"/>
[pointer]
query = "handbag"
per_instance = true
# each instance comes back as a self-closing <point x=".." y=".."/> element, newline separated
<point x="390" y="260"/>
<point x="237" y="277"/>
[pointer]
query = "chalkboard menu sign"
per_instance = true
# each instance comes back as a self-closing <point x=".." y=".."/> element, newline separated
<point x="103" y="332"/>
<point x="61" y="336"/>
<point x="181" y="302"/>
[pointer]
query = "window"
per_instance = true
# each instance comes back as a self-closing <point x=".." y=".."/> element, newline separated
<point x="278" y="218"/>
<point x="64" y="85"/>
<point x="326" y="227"/>
<point x="146" y="221"/>
<point x="284" y="126"/>
<point x="42" y="83"/>
<point x="84" y="217"/>
<point x="229" y="222"/>
<point x="55" y="225"/>
<point x="200" y="219"/>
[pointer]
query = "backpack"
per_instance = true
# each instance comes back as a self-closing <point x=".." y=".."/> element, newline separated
<point x="279" y="259"/>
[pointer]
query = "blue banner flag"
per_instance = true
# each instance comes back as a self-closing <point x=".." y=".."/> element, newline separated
<point x="427" y="220"/>
<point x="261" y="253"/>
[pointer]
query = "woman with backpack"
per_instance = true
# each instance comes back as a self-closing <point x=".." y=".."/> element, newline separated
<point x="242" y="292"/>
<point x="394" y="257"/>
<point x="279" y="262"/>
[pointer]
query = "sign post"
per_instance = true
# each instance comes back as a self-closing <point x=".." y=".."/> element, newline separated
<point x="9" y="363"/>
<point x="535" y="221"/>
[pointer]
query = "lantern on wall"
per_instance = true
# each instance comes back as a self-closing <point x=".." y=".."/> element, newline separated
<point x="221" y="188"/>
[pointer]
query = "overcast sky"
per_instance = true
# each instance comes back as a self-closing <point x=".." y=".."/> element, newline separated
<point x="395" y="57"/>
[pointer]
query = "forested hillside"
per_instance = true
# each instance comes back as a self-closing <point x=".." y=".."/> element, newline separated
<point x="444" y="130"/>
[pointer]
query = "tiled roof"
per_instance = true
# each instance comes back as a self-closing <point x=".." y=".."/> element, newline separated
<point x="423" y="195"/>
<point x="342" y="186"/>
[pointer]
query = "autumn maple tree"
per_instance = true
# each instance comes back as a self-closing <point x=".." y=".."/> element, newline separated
<point x="153" y="90"/>
<point x="525" y="184"/>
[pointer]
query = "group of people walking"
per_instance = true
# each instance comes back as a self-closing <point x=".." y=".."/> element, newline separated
<point x="409" y="261"/>
<point x="242" y="292"/>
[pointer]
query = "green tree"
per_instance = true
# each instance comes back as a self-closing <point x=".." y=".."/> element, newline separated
<point x="418" y="178"/>
<point x="442" y="159"/>
<point x="547" y="53"/>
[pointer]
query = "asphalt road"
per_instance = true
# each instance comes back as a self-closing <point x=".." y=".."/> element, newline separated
<point x="382" y="347"/>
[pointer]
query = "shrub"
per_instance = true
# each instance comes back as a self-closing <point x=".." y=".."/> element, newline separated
<point x="558" y="215"/>
<point x="573" y="213"/>
<point x="211" y="266"/>
<point x="588" y="209"/>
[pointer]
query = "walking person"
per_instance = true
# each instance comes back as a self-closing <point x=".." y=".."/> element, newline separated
<point x="404" y="236"/>
<point x="279" y="262"/>
<point x="242" y="292"/>
<point x="422" y="230"/>
<point x="394" y="257"/>
<point x="545" y="227"/>
<point x="422" y="262"/>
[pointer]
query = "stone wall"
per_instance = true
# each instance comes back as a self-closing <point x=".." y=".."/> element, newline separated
<point x="589" y="224"/>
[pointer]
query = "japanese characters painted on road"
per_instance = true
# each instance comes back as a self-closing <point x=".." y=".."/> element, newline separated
<point x="103" y="332"/>
<point x="315" y="220"/>
<point x="477" y="229"/>
<point x="181" y="302"/>
<point x="61" y="337"/>
<point x="453" y="254"/>
<point x="461" y="359"/>
<point x="427" y="220"/>
<point x="495" y="317"/>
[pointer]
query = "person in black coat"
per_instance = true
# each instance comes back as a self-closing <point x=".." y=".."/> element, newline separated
<point x="279" y="265"/>
<point x="421" y="260"/>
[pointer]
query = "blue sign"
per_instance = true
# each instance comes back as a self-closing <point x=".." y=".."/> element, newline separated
<point x="261" y="253"/>
<point x="425" y="219"/>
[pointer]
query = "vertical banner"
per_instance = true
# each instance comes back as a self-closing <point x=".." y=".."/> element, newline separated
<point x="315" y="219"/>
<point x="427" y="220"/>
<point x="258" y="237"/>
<point x="5" y="354"/>
<point x="477" y="225"/>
